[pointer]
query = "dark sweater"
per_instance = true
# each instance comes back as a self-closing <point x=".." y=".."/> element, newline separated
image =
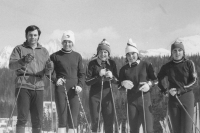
<point x="69" y="66"/>
<point x="181" y="76"/>
<point x="95" y="81"/>
<point x="142" y="72"/>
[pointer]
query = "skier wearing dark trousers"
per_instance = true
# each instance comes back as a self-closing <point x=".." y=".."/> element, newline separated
<point x="101" y="68"/>
<point x="182" y="78"/>
<point x="70" y="76"/>
<point x="31" y="62"/>
<point x="137" y="77"/>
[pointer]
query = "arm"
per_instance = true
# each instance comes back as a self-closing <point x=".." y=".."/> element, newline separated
<point x="81" y="73"/>
<point x="115" y="75"/>
<point x="192" y="78"/>
<point x="121" y="78"/>
<point x="16" y="61"/>
<point x="152" y="76"/>
<point x="161" y="76"/>
<point x="90" y="78"/>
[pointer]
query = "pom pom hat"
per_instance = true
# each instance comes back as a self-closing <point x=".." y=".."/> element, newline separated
<point x="68" y="35"/>
<point x="131" y="47"/>
<point x="104" y="45"/>
<point x="177" y="44"/>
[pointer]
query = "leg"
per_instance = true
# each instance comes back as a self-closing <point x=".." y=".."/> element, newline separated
<point x="186" y="122"/>
<point x="36" y="110"/>
<point x="61" y="106"/>
<point x="94" y="112"/>
<point x="134" y="114"/>
<point x="148" y="117"/>
<point x="175" y="116"/>
<point x="108" y="114"/>
<point x="74" y="105"/>
<point x="23" y="105"/>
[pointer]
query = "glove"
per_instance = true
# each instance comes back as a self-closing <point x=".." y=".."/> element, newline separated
<point x="78" y="89"/>
<point x="28" y="58"/>
<point x="60" y="81"/>
<point x="49" y="65"/>
<point x="109" y="74"/>
<point x="145" y="87"/>
<point x="102" y="72"/>
<point x="173" y="91"/>
<point x="127" y="84"/>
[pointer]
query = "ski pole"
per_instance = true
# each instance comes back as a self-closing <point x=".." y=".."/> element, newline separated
<point x="84" y="113"/>
<point x="98" y="128"/>
<point x="51" y="100"/>
<point x="66" y="95"/>
<point x="187" y="113"/>
<point x="16" y="98"/>
<point x="114" y="106"/>
<point x="145" y="126"/>
<point x="127" y="113"/>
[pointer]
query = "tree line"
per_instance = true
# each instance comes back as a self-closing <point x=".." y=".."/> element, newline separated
<point x="159" y="102"/>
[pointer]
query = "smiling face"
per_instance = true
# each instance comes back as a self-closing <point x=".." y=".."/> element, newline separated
<point x="103" y="55"/>
<point x="132" y="57"/>
<point x="32" y="37"/>
<point x="67" y="45"/>
<point x="177" y="53"/>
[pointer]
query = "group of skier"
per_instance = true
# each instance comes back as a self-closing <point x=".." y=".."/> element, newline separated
<point x="32" y="62"/>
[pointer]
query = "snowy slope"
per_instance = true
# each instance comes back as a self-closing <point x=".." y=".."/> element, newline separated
<point x="155" y="52"/>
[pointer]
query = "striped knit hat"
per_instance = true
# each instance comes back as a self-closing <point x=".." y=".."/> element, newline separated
<point x="131" y="47"/>
<point x="68" y="35"/>
<point x="104" y="45"/>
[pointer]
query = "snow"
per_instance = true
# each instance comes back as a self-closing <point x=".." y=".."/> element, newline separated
<point x="191" y="44"/>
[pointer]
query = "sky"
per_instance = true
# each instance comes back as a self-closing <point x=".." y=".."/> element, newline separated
<point x="151" y="24"/>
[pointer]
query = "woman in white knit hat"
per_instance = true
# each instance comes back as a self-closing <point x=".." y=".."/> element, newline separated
<point x="101" y="69"/>
<point x="69" y="78"/>
<point x="137" y="77"/>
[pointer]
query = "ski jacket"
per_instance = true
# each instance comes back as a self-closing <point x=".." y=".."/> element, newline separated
<point x="181" y="75"/>
<point x="68" y="65"/>
<point x="140" y="71"/>
<point x="34" y="71"/>
<point x="95" y="81"/>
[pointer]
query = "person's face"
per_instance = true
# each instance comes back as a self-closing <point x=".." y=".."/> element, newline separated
<point x="177" y="53"/>
<point x="103" y="55"/>
<point x="67" y="45"/>
<point x="132" y="57"/>
<point x="32" y="37"/>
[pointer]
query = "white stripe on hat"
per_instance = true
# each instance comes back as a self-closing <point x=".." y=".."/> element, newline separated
<point x="131" y="47"/>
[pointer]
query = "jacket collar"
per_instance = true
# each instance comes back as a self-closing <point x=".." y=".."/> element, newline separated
<point x="134" y="63"/>
<point x="25" y="44"/>
<point x="99" y="61"/>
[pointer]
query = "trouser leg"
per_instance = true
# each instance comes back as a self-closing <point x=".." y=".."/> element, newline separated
<point x="23" y="105"/>
<point x="94" y="112"/>
<point x="108" y="114"/>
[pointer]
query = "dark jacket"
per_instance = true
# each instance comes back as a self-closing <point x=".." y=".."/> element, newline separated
<point x="181" y="76"/>
<point x="95" y="81"/>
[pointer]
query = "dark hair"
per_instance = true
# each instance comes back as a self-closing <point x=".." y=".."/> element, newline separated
<point x="32" y="28"/>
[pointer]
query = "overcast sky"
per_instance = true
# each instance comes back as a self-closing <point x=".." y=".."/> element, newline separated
<point x="151" y="24"/>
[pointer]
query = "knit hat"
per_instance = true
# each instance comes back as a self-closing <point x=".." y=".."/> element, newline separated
<point x="104" y="45"/>
<point x="131" y="47"/>
<point x="177" y="44"/>
<point x="68" y="35"/>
